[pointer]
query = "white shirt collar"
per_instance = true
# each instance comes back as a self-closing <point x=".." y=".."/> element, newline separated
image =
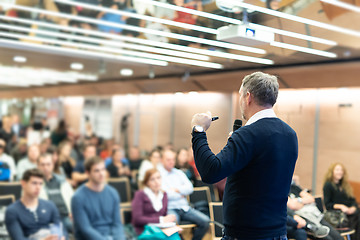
<point x="267" y="113"/>
<point x="156" y="200"/>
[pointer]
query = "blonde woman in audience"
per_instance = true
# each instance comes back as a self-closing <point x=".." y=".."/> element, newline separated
<point x="150" y="204"/>
<point x="153" y="162"/>
<point x="338" y="194"/>
<point x="65" y="160"/>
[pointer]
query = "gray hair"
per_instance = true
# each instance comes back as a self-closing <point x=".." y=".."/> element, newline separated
<point x="264" y="87"/>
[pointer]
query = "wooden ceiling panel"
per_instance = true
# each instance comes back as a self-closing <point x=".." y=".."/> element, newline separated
<point x="167" y="85"/>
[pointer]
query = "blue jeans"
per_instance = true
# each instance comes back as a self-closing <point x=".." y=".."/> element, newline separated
<point x="284" y="237"/>
<point x="297" y="233"/>
<point x="194" y="216"/>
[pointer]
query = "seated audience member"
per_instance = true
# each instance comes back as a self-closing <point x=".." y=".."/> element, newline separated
<point x="7" y="133"/>
<point x="18" y="129"/>
<point x="177" y="187"/>
<point x="29" y="162"/>
<point x="116" y="168"/>
<point x="338" y="194"/>
<point x="192" y="161"/>
<point x="150" y="205"/>
<point x="111" y="17"/>
<point x="187" y="17"/>
<point x="59" y="134"/>
<point x="153" y="162"/>
<point x="182" y="163"/>
<point x="7" y="164"/>
<point x="53" y="151"/>
<point x="65" y="160"/>
<point x="295" y="227"/>
<point x="96" y="141"/>
<point x="124" y="160"/>
<point x="44" y="145"/>
<point x="79" y="175"/>
<point x="295" y="223"/>
<point x="107" y="149"/>
<point x="31" y="217"/>
<point x="303" y="204"/>
<point x="19" y="151"/>
<point x="57" y="190"/>
<point x="95" y="206"/>
<point x="134" y="158"/>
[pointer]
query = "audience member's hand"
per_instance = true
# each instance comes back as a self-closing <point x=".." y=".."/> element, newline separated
<point x="127" y="171"/>
<point x="169" y="218"/>
<point x="175" y="190"/>
<point x="342" y="207"/>
<point x="301" y="222"/>
<point x="351" y="210"/>
<point x="201" y="119"/>
<point x="296" y="179"/>
<point x="306" y="197"/>
<point x="51" y="237"/>
<point x="294" y="204"/>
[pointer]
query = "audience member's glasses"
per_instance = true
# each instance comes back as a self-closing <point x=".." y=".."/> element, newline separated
<point x="2" y="146"/>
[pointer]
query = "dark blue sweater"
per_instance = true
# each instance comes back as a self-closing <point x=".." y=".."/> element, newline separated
<point x="21" y="222"/>
<point x="259" y="161"/>
<point x="97" y="214"/>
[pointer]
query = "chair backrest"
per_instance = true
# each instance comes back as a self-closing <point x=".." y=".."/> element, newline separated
<point x="6" y="200"/>
<point x="11" y="188"/>
<point x="200" y="194"/>
<point x="216" y="214"/>
<point x="319" y="203"/>
<point x="125" y="214"/>
<point x="122" y="186"/>
<point x="214" y="193"/>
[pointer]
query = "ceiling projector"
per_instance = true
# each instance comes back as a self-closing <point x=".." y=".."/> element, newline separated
<point x="244" y="35"/>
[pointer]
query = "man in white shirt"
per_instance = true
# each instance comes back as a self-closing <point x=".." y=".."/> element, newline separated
<point x="177" y="187"/>
<point x="29" y="162"/>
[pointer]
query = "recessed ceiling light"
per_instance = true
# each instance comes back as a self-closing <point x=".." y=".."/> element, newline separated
<point x="77" y="66"/>
<point x="126" y="72"/>
<point x="19" y="59"/>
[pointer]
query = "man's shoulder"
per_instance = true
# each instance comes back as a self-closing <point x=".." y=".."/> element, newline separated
<point x="272" y="124"/>
<point x="6" y="157"/>
<point x="59" y="178"/>
<point x="14" y="207"/>
<point x="23" y="161"/>
<point x="80" y="192"/>
<point x="110" y="189"/>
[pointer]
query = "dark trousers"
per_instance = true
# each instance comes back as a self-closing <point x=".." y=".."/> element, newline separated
<point x="354" y="223"/>
<point x="333" y="234"/>
<point x="284" y="237"/>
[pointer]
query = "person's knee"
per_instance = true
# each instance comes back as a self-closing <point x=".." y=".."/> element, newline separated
<point x="204" y="222"/>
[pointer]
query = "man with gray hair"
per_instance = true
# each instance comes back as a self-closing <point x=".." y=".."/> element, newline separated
<point x="258" y="161"/>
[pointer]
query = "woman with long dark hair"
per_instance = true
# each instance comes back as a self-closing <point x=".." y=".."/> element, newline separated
<point x="60" y="133"/>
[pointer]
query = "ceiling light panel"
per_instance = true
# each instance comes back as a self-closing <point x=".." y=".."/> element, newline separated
<point x="140" y="29"/>
<point x="145" y="41"/>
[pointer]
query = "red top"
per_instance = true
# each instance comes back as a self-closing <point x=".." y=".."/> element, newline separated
<point x="185" y="17"/>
